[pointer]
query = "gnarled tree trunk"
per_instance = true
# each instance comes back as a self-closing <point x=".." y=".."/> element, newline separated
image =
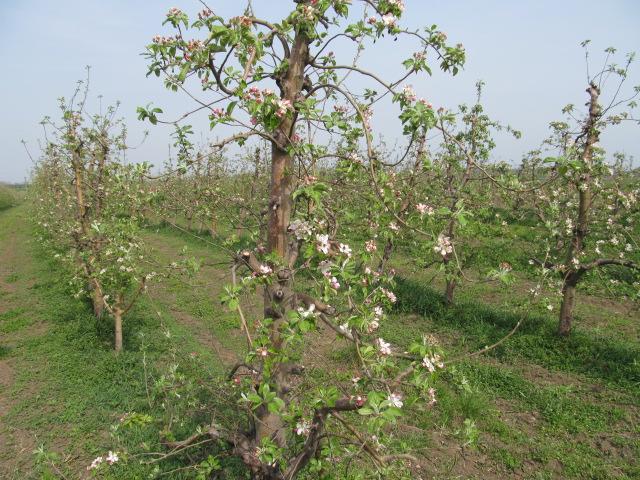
<point x="269" y="424"/>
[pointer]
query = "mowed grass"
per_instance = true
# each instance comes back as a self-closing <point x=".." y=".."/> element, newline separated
<point x="68" y="387"/>
<point x="535" y="407"/>
<point x="547" y="407"/>
<point x="9" y="197"/>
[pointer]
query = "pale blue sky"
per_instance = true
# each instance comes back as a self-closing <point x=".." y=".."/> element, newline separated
<point x="527" y="52"/>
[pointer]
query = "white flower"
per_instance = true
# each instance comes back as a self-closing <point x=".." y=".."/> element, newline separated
<point x="325" y="268"/>
<point x="389" y="20"/>
<point x="334" y="283"/>
<point x="409" y="93"/>
<point x="378" y="311"/>
<point x="549" y="307"/>
<point x="303" y="427"/>
<point x="322" y="243"/>
<point x="265" y="269"/>
<point x="389" y="294"/>
<point x="262" y="351"/>
<point x="443" y="245"/>
<point x="370" y="246"/>
<point x="373" y="326"/>
<point x="300" y="229"/>
<point x="398" y="3"/>
<point x="394" y="226"/>
<point x="424" y="209"/>
<point x="96" y="463"/>
<point x="432" y="397"/>
<point x="383" y="347"/>
<point x="430" y="363"/>
<point x="345" y="249"/>
<point x="395" y="399"/>
<point x="112" y="457"/>
<point x="283" y="107"/>
<point x="307" y="313"/>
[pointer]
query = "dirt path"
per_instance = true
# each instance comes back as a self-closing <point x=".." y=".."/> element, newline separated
<point x="178" y="297"/>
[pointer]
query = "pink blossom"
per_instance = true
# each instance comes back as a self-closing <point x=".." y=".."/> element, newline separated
<point x="389" y="294"/>
<point x="370" y="246"/>
<point x="409" y="93"/>
<point x="95" y="463"/>
<point x="265" y="270"/>
<point x="424" y="209"/>
<point x="373" y="326"/>
<point x="383" y="347"/>
<point x="218" y="112"/>
<point x="398" y="3"/>
<point x="419" y="56"/>
<point x="283" y="107"/>
<point x="112" y="457"/>
<point x="389" y="20"/>
<point x="206" y="13"/>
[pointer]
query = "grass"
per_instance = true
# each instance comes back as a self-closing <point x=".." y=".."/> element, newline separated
<point x="602" y="357"/>
<point x="70" y="387"/>
<point x="8" y="197"/>
<point x="535" y="407"/>
<point x="554" y="401"/>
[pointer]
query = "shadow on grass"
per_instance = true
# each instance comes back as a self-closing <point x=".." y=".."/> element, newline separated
<point x="609" y="359"/>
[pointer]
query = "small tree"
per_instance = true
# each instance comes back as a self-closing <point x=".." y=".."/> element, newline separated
<point x="459" y="168"/>
<point x="89" y="206"/>
<point x="590" y="212"/>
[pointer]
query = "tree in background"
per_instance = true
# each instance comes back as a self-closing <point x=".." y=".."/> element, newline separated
<point x="590" y="214"/>
<point x="89" y="206"/>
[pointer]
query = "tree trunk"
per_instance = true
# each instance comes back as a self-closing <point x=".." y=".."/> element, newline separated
<point x="117" y="315"/>
<point x="276" y="295"/>
<point x="566" y="309"/>
<point x="213" y="227"/>
<point x="576" y="245"/>
<point x="448" y="294"/>
<point x="98" y="302"/>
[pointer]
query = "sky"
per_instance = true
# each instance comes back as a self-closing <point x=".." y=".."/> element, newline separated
<point x="527" y="52"/>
